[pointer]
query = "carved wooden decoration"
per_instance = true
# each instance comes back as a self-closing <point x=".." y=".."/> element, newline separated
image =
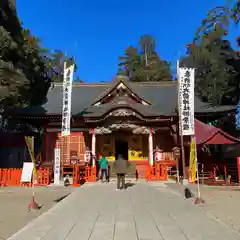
<point x="142" y="130"/>
<point x="102" y="130"/>
<point x="108" y="129"/>
<point x="119" y="126"/>
<point x="122" y="113"/>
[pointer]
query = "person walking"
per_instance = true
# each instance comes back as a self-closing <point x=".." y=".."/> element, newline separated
<point x="120" y="166"/>
<point x="104" y="167"/>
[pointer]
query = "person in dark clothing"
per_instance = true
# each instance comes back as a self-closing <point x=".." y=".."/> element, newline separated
<point x="108" y="173"/>
<point x="120" y="166"/>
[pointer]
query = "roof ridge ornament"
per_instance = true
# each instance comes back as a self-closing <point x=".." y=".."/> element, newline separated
<point x="121" y="78"/>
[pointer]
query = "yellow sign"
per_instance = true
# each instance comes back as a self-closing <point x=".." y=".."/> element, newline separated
<point x="30" y="146"/>
<point x="193" y="161"/>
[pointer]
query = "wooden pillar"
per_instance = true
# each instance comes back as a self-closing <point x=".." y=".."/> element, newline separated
<point x="93" y="148"/>
<point x="238" y="169"/>
<point x="45" y="146"/>
<point x="150" y="147"/>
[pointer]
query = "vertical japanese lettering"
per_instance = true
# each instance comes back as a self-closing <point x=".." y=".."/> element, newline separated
<point x="186" y="100"/>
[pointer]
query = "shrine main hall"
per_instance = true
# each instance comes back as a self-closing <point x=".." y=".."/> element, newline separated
<point x="136" y="120"/>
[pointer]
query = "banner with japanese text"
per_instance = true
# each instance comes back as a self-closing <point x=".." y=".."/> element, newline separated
<point x="186" y="101"/>
<point x="67" y="99"/>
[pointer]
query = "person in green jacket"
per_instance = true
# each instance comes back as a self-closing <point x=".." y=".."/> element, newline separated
<point x="104" y="167"/>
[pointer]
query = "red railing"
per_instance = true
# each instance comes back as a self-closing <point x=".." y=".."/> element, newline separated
<point x="90" y="174"/>
<point x="12" y="177"/>
<point x="85" y="174"/>
<point x="43" y="176"/>
<point x="156" y="172"/>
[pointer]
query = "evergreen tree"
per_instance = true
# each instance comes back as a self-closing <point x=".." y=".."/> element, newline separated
<point x="143" y="63"/>
<point x="216" y="62"/>
<point x="23" y="75"/>
<point x="55" y="64"/>
<point x="130" y="63"/>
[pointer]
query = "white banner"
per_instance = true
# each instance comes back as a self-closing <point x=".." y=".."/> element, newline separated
<point x="186" y="101"/>
<point x="57" y="165"/>
<point x="67" y="99"/>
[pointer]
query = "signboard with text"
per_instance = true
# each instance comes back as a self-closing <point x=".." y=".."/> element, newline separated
<point x="57" y="164"/>
<point x="27" y="172"/>
<point x="186" y="101"/>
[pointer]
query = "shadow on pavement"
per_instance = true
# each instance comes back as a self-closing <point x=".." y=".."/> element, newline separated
<point x="127" y="185"/>
<point x="60" y="199"/>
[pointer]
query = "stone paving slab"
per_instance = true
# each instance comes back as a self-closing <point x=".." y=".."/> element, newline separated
<point x="143" y="212"/>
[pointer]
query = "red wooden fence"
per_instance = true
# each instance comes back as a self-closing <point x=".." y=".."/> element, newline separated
<point x="12" y="177"/>
<point x="87" y="174"/>
<point x="156" y="172"/>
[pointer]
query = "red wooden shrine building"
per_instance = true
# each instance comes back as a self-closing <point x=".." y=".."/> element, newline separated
<point x="134" y="119"/>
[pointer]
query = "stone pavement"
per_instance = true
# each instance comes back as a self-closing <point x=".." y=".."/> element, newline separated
<point x="143" y="212"/>
<point x="14" y="205"/>
<point x="220" y="201"/>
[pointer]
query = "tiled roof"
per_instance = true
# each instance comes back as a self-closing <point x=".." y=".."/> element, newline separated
<point x="162" y="97"/>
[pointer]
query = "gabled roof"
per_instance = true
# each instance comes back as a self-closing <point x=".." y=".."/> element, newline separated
<point x="206" y="134"/>
<point x="118" y="82"/>
<point x="158" y="98"/>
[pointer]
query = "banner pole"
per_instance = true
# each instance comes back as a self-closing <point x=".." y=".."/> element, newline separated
<point x="66" y="113"/>
<point x="33" y="184"/>
<point x="198" y="200"/>
<point x="30" y="145"/>
<point x="177" y="163"/>
<point x="185" y="181"/>
<point x="198" y="183"/>
<point x="34" y="167"/>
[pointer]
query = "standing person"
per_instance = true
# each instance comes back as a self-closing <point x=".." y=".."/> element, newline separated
<point x="104" y="167"/>
<point x="108" y="173"/>
<point x="97" y="167"/>
<point x="121" y="166"/>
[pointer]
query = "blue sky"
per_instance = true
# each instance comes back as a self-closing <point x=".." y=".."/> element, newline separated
<point x="96" y="32"/>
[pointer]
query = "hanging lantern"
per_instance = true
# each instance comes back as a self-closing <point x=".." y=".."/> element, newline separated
<point x="176" y="152"/>
<point x="158" y="155"/>
<point x="87" y="156"/>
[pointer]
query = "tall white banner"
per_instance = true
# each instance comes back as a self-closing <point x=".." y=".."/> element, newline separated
<point x="67" y="99"/>
<point x="186" y="100"/>
<point x="57" y="165"/>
